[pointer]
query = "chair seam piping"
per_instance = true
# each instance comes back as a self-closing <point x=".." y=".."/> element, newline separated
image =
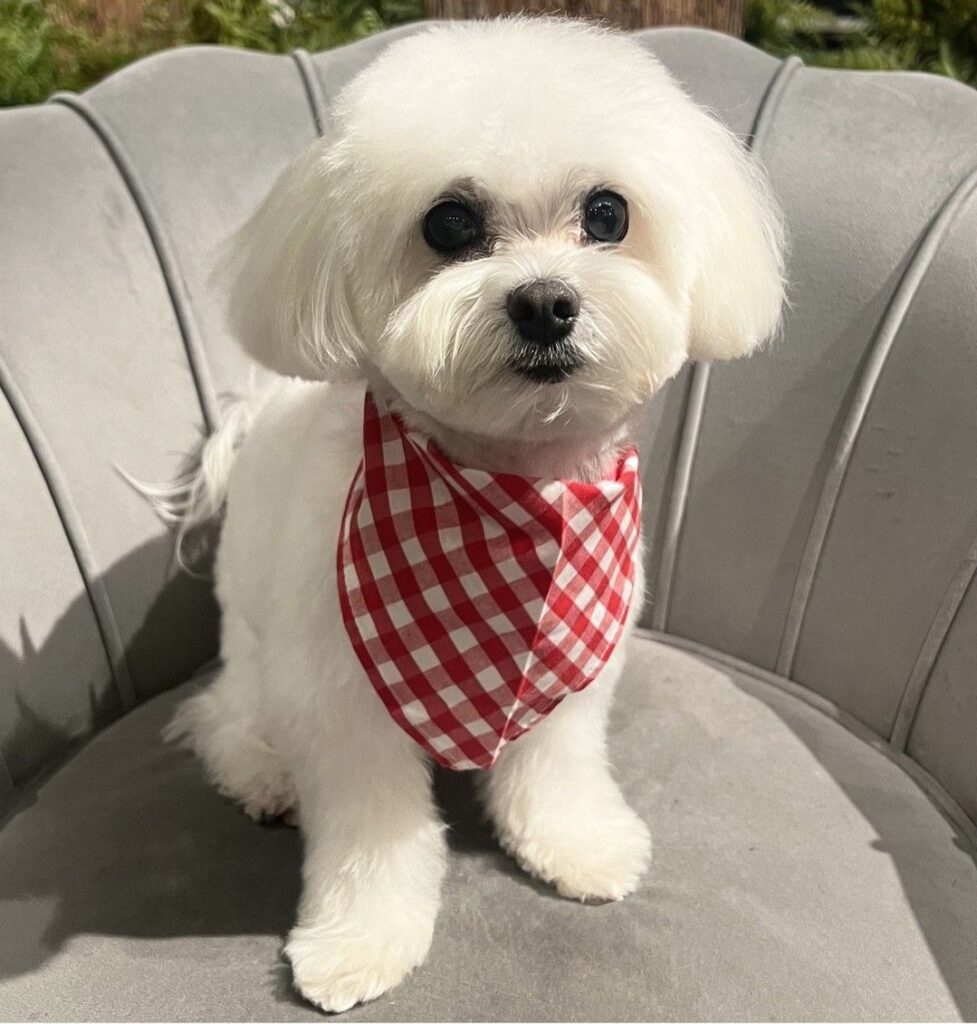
<point x="679" y="493"/>
<point x="688" y="440"/>
<point x="77" y="540"/>
<point x="932" y="647"/>
<point x="313" y="89"/>
<point x="165" y="258"/>
<point x="926" y="249"/>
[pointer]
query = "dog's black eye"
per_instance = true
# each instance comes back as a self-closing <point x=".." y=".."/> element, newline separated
<point x="450" y="227"/>
<point x="605" y="218"/>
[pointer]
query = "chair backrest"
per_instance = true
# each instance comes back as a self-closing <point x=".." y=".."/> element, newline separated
<point x="813" y="510"/>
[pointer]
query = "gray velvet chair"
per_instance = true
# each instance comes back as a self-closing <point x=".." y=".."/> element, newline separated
<point x="799" y="721"/>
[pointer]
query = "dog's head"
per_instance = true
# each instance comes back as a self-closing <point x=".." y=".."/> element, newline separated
<point x="524" y="227"/>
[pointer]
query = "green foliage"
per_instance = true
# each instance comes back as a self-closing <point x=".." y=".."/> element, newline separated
<point x="245" y="23"/>
<point x="940" y="35"/>
<point x="47" y="45"/>
<point x="783" y="25"/>
<point x="922" y="35"/>
<point x="278" y="26"/>
<point x="28" y="70"/>
<point x="860" y="57"/>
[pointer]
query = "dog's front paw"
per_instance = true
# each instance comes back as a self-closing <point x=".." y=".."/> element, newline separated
<point x="593" y="857"/>
<point x="338" y="968"/>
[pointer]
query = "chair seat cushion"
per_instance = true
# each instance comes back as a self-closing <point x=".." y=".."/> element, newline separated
<point x="798" y="874"/>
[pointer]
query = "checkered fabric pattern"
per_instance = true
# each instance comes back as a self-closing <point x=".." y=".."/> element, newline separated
<point x="477" y="601"/>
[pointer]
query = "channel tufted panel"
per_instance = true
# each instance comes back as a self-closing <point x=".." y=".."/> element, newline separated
<point x="731" y="81"/>
<point x="55" y="682"/>
<point x="904" y="520"/>
<point x="114" y="207"/>
<point x="831" y="501"/>
<point x="812" y="511"/>
<point x="204" y="132"/>
<point x="96" y="377"/>
<point x="861" y="165"/>
<point x="943" y="734"/>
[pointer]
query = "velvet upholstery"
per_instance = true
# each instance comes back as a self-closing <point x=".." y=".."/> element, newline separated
<point x="798" y="874"/>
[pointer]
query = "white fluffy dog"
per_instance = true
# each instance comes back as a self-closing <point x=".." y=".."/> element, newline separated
<point x="544" y="159"/>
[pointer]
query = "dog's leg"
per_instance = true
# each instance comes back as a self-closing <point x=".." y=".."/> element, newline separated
<point x="557" y="809"/>
<point x="221" y="724"/>
<point x="374" y="861"/>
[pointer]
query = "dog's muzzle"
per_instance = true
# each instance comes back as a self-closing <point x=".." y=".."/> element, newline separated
<point x="544" y="313"/>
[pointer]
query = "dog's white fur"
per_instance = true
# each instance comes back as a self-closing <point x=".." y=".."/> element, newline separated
<point x="334" y="283"/>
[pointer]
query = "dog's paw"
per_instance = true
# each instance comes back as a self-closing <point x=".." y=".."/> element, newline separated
<point x="265" y="806"/>
<point x="338" y="969"/>
<point x="593" y="858"/>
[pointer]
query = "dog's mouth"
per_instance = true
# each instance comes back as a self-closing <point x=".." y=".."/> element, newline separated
<point x="549" y="365"/>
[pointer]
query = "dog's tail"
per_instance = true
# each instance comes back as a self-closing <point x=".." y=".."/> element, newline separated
<point x="197" y="496"/>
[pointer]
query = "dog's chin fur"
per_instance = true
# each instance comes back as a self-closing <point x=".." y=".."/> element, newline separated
<point x="332" y="281"/>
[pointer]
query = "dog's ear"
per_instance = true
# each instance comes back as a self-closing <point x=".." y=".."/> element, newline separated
<point x="738" y="289"/>
<point x="286" y="275"/>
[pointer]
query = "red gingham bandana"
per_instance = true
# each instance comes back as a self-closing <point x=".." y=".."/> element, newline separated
<point x="477" y="601"/>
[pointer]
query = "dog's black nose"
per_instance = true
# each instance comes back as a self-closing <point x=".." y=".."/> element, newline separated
<point x="543" y="311"/>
